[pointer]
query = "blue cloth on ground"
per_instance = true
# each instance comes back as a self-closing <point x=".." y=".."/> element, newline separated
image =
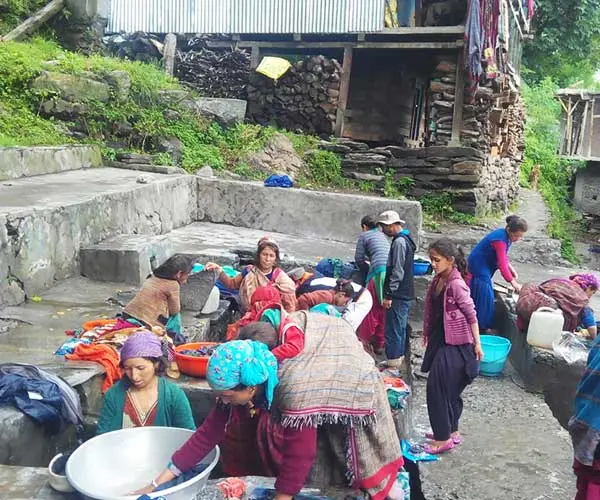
<point x="282" y="181"/>
<point x="24" y="392"/>
<point x="416" y="453"/>
<point x="69" y="346"/>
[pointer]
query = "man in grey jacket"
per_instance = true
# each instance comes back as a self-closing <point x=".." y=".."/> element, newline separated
<point x="398" y="288"/>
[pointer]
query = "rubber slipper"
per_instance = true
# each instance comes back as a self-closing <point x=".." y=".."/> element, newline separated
<point x="455" y="439"/>
<point x="436" y="451"/>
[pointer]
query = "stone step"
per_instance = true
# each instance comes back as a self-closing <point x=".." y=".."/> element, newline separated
<point x="127" y="258"/>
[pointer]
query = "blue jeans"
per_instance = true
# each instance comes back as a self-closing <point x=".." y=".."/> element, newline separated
<point x="396" y="322"/>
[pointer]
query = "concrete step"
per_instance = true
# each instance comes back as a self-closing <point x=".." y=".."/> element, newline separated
<point x="45" y="220"/>
<point x="127" y="258"/>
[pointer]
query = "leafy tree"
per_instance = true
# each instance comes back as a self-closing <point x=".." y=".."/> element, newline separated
<point x="566" y="46"/>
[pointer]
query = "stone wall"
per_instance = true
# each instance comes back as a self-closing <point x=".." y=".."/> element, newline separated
<point x="299" y="212"/>
<point x="18" y="162"/>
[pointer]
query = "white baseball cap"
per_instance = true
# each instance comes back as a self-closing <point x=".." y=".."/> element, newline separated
<point x="390" y="217"/>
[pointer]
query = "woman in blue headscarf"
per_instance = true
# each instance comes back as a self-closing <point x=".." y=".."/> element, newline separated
<point x="491" y="254"/>
<point x="243" y="375"/>
<point x="262" y="436"/>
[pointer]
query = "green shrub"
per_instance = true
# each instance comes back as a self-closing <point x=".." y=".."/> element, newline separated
<point x="325" y="168"/>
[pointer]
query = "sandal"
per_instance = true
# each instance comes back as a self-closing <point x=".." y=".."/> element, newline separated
<point x="447" y="446"/>
<point x="455" y="439"/>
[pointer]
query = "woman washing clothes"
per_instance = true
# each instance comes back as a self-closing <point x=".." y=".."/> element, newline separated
<point x="265" y="271"/>
<point x="267" y="423"/>
<point x="584" y="428"/>
<point x="491" y="254"/>
<point x="143" y="398"/>
<point x="571" y="295"/>
<point x="451" y="333"/>
<point x="158" y="303"/>
<point x="353" y="300"/>
<point x="372" y="250"/>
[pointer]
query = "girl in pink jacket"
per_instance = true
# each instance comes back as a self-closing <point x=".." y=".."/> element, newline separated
<point x="451" y="334"/>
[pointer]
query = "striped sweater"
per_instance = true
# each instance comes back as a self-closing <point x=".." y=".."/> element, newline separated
<point x="373" y="247"/>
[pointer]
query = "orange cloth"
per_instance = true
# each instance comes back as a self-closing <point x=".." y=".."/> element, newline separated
<point x="103" y="354"/>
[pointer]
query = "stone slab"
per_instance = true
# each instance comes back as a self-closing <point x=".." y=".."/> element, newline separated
<point x="16" y="162"/>
<point x="195" y="292"/>
<point x="219" y="320"/>
<point x="298" y="212"/>
<point x="44" y="220"/>
<point x="29" y="483"/>
<point x="128" y="259"/>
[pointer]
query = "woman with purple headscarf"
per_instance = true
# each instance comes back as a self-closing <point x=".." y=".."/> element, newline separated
<point x="143" y="398"/>
<point x="571" y="295"/>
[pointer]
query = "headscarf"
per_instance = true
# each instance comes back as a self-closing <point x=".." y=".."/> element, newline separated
<point x="586" y="281"/>
<point x="143" y="344"/>
<point x="272" y="316"/>
<point x="327" y="309"/>
<point x="243" y="362"/>
<point x="263" y="295"/>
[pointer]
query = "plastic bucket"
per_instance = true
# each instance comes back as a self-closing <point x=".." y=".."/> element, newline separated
<point x="495" y="354"/>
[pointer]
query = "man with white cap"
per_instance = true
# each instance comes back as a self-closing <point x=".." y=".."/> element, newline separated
<point x="398" y="288"/>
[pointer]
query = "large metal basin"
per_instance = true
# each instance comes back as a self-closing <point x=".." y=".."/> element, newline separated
<point x="111" y="465"/>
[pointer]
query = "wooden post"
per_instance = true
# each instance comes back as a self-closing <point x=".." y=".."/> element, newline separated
<point x="459" y="99"/>
<point x="255" y="57"/>
<point x="169" y="53"/>
<point x="582" y="130"/>
<point x="344" y="90"/>
<point x="591" y="134"/>
<point x="35" y="21"/>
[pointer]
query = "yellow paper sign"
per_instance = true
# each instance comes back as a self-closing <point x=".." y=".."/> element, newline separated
<point x="273" y="67"/>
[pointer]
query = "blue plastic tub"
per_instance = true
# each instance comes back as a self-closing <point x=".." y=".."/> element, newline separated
<point x="495" y="354"/>
<point x="421" y="267"/>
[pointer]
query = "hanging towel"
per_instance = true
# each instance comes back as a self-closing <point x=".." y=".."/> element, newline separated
<point x="103" y="354"/>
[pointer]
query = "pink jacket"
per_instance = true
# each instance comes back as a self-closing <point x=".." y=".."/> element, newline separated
<point x="459" y="310"/>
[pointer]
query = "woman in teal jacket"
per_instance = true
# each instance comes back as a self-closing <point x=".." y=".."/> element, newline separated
<point x="143" y="398"/>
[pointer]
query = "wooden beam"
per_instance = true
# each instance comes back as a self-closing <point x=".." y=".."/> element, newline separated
<point x="422" y="30"/>
<point x="459" y="99"/>
<point x="582" y="129"/>
<point x="344" y="91"/>
<point x="34" y="22"/>
<point x="340" y="45"/>
<point x="591" y="135"/>
<point x="255" y="57"/>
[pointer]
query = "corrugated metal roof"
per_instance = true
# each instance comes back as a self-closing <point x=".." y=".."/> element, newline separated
<point x="246" y="16"/>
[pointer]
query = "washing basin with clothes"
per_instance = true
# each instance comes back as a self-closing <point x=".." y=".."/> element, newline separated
<point x="112" y="465"/>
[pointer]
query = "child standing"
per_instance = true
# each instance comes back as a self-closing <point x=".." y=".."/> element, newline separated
<point x="451" y="334"/>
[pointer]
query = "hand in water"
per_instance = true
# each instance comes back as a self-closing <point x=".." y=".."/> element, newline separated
<point x="143" y="491"/>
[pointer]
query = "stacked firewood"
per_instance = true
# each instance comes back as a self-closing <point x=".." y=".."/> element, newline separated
<point x="219" y="72"/>
<point x="305" y="98"/>
<point x="441" y="102"/>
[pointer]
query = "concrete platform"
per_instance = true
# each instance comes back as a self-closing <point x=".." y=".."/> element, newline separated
<point x="44" y="220"/>
<point x="127" y="257"/>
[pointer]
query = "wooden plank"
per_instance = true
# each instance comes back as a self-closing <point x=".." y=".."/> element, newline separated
<point x="591" y="135"/>
<point x="255" y="57"/>
<point x="582" y="129"/>
<point x="34" y="22"/>
<point x="459" y="98"/>
<point x="341" y="45"/>
<point x="422" y="30"/>
<point x="569" y="126"/>
<point x="344" y="91"/>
